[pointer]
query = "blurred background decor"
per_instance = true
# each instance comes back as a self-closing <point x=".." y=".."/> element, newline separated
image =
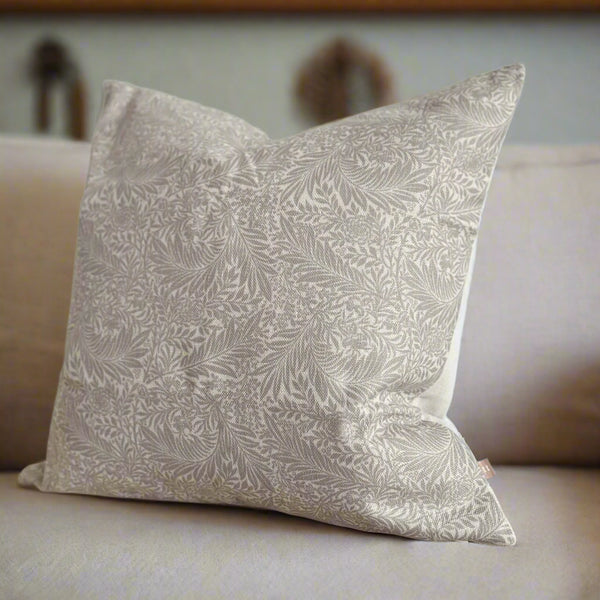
<point x="341" y="79"/>
<point x="51" y="67"/>
<point x="244" y="56"/>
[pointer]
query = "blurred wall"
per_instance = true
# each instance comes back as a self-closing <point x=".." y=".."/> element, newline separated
<point x="247" y="64"/>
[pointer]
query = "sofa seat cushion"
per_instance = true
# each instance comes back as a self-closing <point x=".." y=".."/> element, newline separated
<point x="67" y="546"/>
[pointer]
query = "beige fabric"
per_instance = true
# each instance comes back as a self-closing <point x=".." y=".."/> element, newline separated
<point x="528" y="388"/>
<point x="253" y="320"/>
<point x="41" y="183"/>
<point x="58" y="546"/>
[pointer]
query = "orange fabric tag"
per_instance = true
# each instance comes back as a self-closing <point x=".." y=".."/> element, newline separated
<point x="486" y="467"/>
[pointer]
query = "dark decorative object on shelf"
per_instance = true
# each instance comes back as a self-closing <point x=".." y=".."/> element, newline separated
<point x="341" y="79"/>
<point x="51" y="65"/>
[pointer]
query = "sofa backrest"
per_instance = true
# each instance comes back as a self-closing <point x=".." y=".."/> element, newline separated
<point x="41" y="183"/>
<point x="528" y="388"/>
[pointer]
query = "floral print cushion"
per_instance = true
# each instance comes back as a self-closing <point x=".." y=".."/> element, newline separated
<point x="256" y="322"/>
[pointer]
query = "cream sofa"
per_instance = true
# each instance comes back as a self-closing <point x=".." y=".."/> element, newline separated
<point x="528" y="397"/>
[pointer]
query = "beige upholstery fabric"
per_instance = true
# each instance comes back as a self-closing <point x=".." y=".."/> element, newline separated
<point x="60" y="546"/>
<point x="41" y="183"/>
<point x="528" y="388"/>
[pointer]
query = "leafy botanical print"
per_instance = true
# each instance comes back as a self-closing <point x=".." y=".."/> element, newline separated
<point x="253" y="321"/>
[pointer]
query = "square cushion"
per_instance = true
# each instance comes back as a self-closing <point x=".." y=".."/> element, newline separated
<point x="275" y="323"/>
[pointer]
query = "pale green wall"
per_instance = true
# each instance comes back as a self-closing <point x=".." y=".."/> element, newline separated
<point x="247" y="65"/>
